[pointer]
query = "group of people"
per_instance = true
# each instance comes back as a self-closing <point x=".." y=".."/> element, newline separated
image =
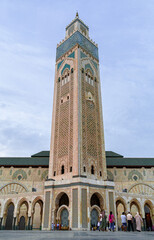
<point x="103" y="223"/>
<point x="133" y="222"/>
<point x="55" y="227"/>
<point x="128" y="222"/>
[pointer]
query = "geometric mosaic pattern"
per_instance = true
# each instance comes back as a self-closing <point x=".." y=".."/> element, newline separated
<point x="135" y="175"/>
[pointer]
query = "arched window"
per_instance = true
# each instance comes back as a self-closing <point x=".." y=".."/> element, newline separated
<point x="62" y="169"/>
<point x="92" y="169"/>
<point x="65" y="78"/>
<point x="84" y="169"/>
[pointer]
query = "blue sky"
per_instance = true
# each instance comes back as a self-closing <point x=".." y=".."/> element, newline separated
<point x="29" y="33"/>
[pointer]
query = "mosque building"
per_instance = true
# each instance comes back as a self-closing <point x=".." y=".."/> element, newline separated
<point x="74" y="181"/>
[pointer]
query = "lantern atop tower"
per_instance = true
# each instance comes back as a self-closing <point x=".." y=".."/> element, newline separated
<point x="77" y="25"/>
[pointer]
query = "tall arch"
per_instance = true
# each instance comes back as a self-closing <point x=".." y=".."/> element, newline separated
<point x="149" y="214"/>
<point x="9" y="216"/>
<point x="37" y="212"/>
<point x="97" y="199"/>
<point x="135" y="207"/>
<point x="63" y="217"/>
<point x="120" y="208"/>
<point x="22" y="214"/>
<point x="94" y="216"/>
<point x="62" y="201"/>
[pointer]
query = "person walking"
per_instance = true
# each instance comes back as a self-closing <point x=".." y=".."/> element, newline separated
<point x="138" y="222"/>
<point x="111" y="221"/>
<point x="129" y="220"/>
<point x="100" y="220"/>
<point x="124" y="222"/>
<point x="104" y="217"/>
<point x="52" y="226"/>
<point x="58" y="226"/>
<point x="98" y="225"/>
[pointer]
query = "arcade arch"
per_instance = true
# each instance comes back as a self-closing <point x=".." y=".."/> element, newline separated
<point x="149" y="214"/>
<point x="120" y="208"/>
<point x="9" y="215"/>
<point x="97" y="199"/>
<point x="22" y="214"/>
<point x="135" y="207"/>
<point x="62" y="210"/>
<point x="37" y="212"/>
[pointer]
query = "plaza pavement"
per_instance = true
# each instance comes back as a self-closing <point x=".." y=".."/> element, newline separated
<point x="74" y="235"/>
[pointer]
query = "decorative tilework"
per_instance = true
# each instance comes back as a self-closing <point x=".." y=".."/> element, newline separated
<point x="82" y="55"/>
<point x="77" y="38"/>
<point x="44" y="174"/>
<point x="59" y="64"/>
<point x="135" y="173"/>
<point x="72" y="55"/>
<point x="75" y="209"/>
<point x="66" y="66"/>
<point x="84" y="207"/>
<point x="95" y="64"/>
<point x="110" y="176"/>
<point x="19" y="172"/>
<point x="111" y="202"/>
<point x="87" y="66"/>
<point x="47" y="209"/>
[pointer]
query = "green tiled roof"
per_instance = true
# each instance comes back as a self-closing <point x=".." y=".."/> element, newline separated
<point x="130" y="162"/>
<point x="25" y="162"/>
<point x="41" y="154"/>
<point x="42" y="159"/>
<point x="112" y="154"/>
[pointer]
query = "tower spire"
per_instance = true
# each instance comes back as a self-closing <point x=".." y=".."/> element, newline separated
<point x="77" y="14"/>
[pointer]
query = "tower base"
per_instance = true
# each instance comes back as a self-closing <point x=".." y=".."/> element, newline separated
<point x="76" y="204"/>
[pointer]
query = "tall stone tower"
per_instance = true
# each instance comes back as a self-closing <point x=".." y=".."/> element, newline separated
<point x="77" y="167"/>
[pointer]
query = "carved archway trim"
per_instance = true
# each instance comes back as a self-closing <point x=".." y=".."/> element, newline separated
<point x="13" y="187"/>
<point x="97" y="208"/>
<point x="122" y="201"/>
<point x="60" y="210"/>
<point x="22" y="201"/>
<point x="145" y="184"/>
<point x="137" y="203"/>
<point x="101" y="199"/>
<point x="37" y="199"/>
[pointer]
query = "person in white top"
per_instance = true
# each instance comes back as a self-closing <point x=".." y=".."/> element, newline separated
<point x="123" y="219"/>
<point x="124" y="222"/>
<point x="129" y="220"/>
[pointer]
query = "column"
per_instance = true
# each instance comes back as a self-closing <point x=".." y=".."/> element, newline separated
<point x="47" y="210"/>
<point x="84" y="208"/>
<point x="29" y="223"/>
<point x="75" y="208"/>
<point x="14" y="223"/>
<point x="1" y="220"/>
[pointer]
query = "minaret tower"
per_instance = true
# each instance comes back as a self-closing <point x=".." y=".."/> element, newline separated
<point x="77" y="165"/>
